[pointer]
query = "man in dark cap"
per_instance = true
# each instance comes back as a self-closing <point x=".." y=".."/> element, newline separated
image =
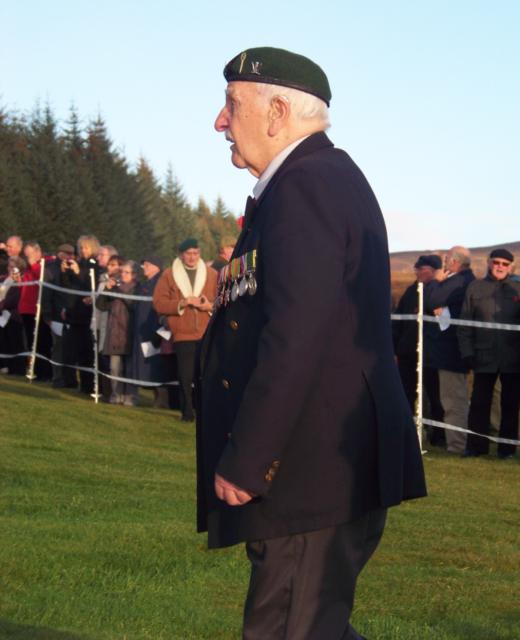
<point x="492" y="353"/>
<point x="53" y="302"/>
<point x="305" y="436"/>
<point x="405" y="337"/>
<point x="185" y="294"/>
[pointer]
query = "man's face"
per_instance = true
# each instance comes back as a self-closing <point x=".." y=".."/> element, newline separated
<point x="500" y="268"/>
<point x="32" y="254"/>
<point x="244" y="121"/>
<point x="424" y="274"/>
<point x="103" y="257"/>
<point x="112" y="268"/>
<point x="451" y="264"/>
<point x="190" y="258"/>
<point x="226" y="253"/>
<point x="65" y="255"/>
<point x="150" y="270"/>
<point x="13" y="247"/>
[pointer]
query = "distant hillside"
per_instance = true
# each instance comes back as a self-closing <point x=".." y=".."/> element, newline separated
<point x="401" y="263"/>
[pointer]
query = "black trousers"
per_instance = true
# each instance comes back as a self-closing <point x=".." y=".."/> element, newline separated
<point x="302" y="586"/>
<point x="480" y="411"/>
<point x="78" y="349"/>
<point x="42" y="368"/>
<point x="435" y="411"/>
<point x="186" y="352"/>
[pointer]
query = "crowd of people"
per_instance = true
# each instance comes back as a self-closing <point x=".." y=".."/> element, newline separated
<point x="155" y="341"/>
<point x="451" y="351"/>
<point x="142" y="326"/>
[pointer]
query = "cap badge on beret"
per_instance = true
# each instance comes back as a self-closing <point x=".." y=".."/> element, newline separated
<point x="280" y="67"/>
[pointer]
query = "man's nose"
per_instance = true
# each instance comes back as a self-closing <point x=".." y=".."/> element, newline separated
<point x="222" y="122"/>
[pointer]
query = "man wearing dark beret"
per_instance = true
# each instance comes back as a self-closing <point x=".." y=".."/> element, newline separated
<point x="492" y="353"/>
<point x="304" y="436"/>
<point x="405" y="336"/>
<point x="184" y="294"/>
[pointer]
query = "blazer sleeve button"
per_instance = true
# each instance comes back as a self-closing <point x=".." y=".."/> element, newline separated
<point x="234" y="325"/>
<point x="225" y="383"/>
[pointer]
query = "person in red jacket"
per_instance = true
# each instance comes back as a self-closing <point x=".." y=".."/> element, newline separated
<point x="27" y="308"/>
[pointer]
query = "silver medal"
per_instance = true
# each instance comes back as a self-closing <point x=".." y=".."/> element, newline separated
<point x="234" y="291"/>
<point x="252" y="285"/>
<point x="243" y="286"/>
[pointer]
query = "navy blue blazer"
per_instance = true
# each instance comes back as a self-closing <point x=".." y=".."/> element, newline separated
<point x="301" y="402"/>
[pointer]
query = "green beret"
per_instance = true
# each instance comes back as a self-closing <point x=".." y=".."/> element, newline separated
<point x="189" y="243"/>
<point x="277" y="66"/>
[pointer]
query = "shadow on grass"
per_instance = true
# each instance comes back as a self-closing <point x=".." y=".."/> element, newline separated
<point x="462" y="630"/>
<point x="41" y="390"/>
<point x="15" y="631"/>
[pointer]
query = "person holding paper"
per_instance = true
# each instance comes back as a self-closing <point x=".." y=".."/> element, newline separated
<point x="146" y="362"/>
<point x="12" y="333"/>
<point x="185" y="294"/>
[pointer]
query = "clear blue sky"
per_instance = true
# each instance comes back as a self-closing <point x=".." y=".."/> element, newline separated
<point x="426" y="95"/>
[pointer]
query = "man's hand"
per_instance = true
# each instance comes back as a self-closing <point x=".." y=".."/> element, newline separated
<point x="230" y="493"/>
<point x="441" y="275"/>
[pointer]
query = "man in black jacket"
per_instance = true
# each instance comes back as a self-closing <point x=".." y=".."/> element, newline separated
<point x="444" y="297"/>
<point x="304" y="435"/>
<point x="493" y="353"/>
<point x="405" y="338"/>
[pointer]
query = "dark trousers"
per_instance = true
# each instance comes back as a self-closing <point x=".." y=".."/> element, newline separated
<point x="434" y="410"/>
<point x="302" y="586"/>
<point x="78" y="349"/>
<point x="186" y="352"/>
<point x="42" y="368"/>
<point x="480" y="411"/>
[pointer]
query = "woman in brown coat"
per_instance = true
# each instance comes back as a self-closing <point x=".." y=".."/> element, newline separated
<point x="118" y="338"/>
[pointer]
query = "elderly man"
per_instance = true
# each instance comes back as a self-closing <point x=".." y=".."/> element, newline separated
<point x="226" y="248"/>
<point x="105" y="252"/>
<point x="305" y="436"/>
<point x="444" y="297"/>
<point x="185" y="294"/>
<point x="492" y="353"/>
<point x="405" y="343"/>
<point x="53" y="301"/>
<point x="14" y="246"/>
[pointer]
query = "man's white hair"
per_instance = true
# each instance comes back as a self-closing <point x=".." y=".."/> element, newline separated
<point x="304" y="106"/>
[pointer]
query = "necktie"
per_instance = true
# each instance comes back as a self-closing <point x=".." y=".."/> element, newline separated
<point x="250" y="207"/>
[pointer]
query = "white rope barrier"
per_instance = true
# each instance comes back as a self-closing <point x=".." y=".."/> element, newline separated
<point x="462" y="323"/>
<point x="420" y="318"/>
<point x="452" y="427"/>
<point x="138" y="383"/>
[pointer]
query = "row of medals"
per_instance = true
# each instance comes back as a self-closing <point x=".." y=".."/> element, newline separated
<point x="231" y="289"/>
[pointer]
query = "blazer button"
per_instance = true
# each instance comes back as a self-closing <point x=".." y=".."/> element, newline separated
<point x="234" y="325"/>
<point x="225" y="383"/>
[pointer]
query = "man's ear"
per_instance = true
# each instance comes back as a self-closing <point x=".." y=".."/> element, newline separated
<point x="279" y="112"/>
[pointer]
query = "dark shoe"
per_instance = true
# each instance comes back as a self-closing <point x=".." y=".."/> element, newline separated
<point x="469" y="453"/>
<point x="505" y="456"/>
<point x="188" y="419"/>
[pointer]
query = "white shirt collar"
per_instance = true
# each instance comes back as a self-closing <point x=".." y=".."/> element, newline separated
<point x="273" y="167"/>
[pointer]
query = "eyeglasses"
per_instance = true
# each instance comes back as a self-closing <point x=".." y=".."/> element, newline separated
<point x="500" y="263"/>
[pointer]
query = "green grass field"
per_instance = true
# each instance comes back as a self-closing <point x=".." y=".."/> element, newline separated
<point x="97" y="536"/>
